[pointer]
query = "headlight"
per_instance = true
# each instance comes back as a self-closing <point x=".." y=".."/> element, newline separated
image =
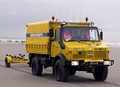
<point x="107" y="62"/>
<point x="74" y="63"/>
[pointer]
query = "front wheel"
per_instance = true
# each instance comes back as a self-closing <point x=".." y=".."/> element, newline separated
<point x="36" y="67"/>
<point x="101" y="73"/>
<point x="61" y="71"/>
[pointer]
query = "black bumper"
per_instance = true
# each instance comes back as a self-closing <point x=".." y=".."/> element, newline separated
<point x="87" y="64"/>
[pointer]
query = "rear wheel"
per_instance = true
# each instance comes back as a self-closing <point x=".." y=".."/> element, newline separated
<point x="36" y="67"/>
<point x="6" y="63"/>
<point x="30" y="62"/>
<point x="61" y="71"/>
<point x="101" y="73"/>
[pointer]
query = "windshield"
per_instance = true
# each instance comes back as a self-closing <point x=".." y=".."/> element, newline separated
<point x="81" y="34"/>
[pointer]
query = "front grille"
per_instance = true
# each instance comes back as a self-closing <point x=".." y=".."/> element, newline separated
<point x="91" y="54"/>
<point x="100" y="54"/>
<point x="82" y="55"/>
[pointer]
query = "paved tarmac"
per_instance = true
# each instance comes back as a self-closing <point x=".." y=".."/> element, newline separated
<point x="19" y="75"/>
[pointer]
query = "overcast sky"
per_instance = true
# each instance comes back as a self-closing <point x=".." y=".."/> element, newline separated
<point x="15" y="14"/>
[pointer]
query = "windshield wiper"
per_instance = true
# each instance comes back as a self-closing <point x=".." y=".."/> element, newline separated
<point x="84" y="40"/>
<point x="73" y="40"/>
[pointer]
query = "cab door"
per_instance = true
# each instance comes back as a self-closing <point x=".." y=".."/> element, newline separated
<point x="55" y="45"/>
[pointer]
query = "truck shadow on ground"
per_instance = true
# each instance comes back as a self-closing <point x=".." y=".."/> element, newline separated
<point x="75" y="78"/>
<point x="47" y="74"/>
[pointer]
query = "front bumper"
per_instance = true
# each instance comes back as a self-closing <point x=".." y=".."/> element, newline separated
<point x="90" y="63"/>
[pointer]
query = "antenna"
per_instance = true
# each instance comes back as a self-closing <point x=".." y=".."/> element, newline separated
<point x="67" y="10"/>
<point x="60" y="10"/>
<point x="80" y="10"/>
<point x="74" y="15"/>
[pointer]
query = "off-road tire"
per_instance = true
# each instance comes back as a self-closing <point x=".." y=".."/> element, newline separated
<point x="101" y="73"/>
<point x="36" y="67"/>
<point x="61" y="71"/>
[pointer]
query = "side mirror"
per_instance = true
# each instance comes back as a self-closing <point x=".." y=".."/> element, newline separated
<point x="51" y="32"/>
<point x="101" y="35"/>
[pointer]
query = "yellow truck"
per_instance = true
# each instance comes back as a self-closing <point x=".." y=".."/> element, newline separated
<point x="67" y="47"/>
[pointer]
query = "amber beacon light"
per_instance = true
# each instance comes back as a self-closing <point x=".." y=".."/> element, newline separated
<point x="86" y="19"/>
<point x="53" y="17"/>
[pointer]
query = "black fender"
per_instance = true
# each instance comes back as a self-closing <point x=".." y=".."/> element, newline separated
<point x="58" y="57"/>
<point x="31" y="56"/>
<point x="61" y="57"/>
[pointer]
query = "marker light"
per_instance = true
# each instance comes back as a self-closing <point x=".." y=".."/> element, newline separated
<point x="53" y="17"/>
<point x="86" y="19"/>
<point x="69" y="52"/>
<point x="63" y="23"/>
<point x="92" y="23"/>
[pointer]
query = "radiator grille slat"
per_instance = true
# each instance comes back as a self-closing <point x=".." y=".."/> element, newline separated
<point x="100" y="54"/>
<point x="82" y="55"/>
<point x="95" y="54"/>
